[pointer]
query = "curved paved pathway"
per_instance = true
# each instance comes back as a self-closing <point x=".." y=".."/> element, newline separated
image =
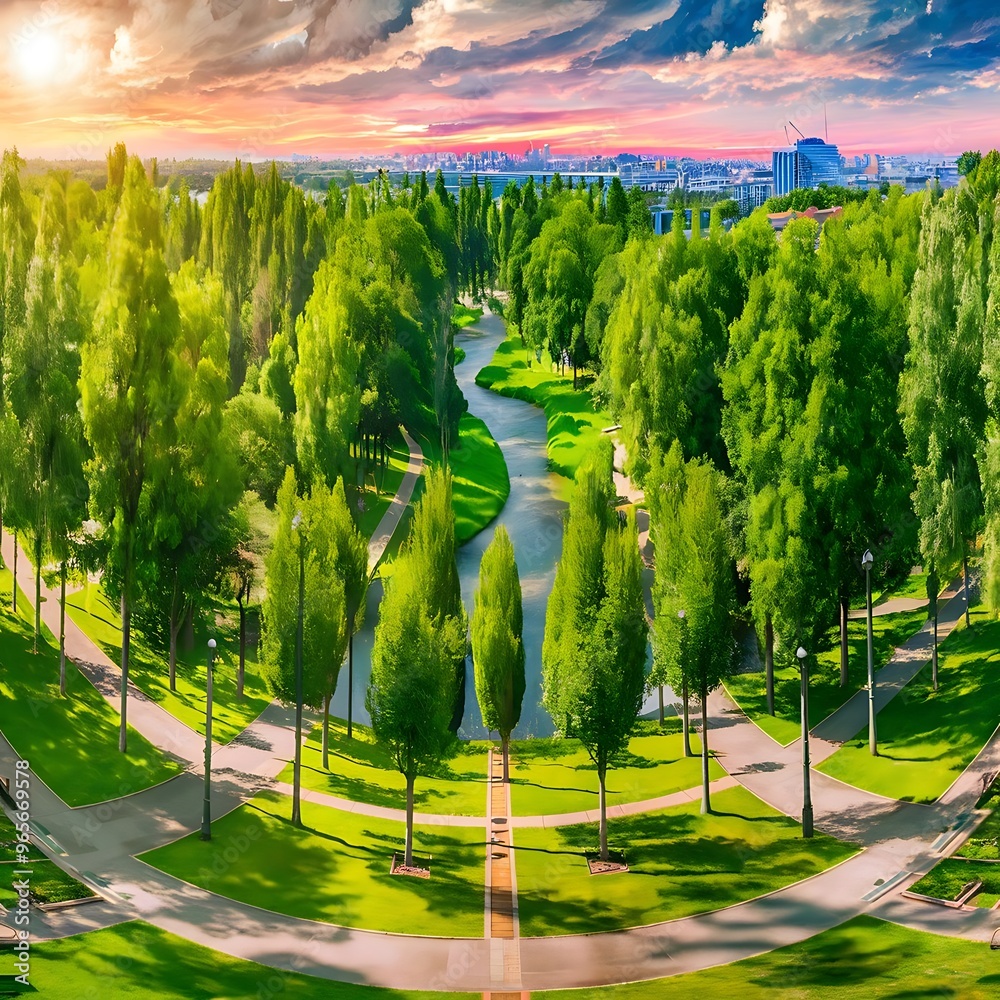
<point x="899" y="839"/>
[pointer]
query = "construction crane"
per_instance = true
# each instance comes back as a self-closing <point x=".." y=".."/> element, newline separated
<point x="797" y="129"/>
<point x="788" y="141"/>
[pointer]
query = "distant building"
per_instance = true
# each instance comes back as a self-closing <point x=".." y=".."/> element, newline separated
<point x="784" y="168"/>
<point x="807" y="164"/>
<point x="752" y="194"/>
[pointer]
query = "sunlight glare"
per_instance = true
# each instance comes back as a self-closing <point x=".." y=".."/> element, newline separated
<point x="38" y="57"/>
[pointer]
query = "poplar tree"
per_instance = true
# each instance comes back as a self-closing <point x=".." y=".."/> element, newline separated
<point x="497" y="644"/>
<point x="43" y="369"/>
<point x="594" y="651"/>
<point x="301" y="555"/>
<point x="701" y="641"/>
<point x="349" y="554"/>
<point x="127" y="384"/>
<point x="411" y="691"/>
<point x="432" y="553"/>
<point x="942" y="397"/>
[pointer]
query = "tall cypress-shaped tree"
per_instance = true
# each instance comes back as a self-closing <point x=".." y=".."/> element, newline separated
<point x="594" y="652"/>
<point x="412" y="687"/>
<point x="301" y="556"/>
<point x="43" y="369"/>
<point x="497" y="646"/>
<point x="127" y="384"/>
<point x="431" y="551"/>
<point x="701" y="641"/>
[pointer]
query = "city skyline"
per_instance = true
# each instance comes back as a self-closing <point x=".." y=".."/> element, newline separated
<point x="268" y="78"/>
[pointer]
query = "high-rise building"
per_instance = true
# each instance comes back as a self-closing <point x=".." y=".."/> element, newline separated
<point x="784" y="167"/>
<point x="807" y="164"/>
<point x="819" y="162"/>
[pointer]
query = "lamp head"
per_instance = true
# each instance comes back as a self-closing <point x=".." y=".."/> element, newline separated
<point x="297" y="520"/>
<point x="681" y="614"/>
<point x="211" y="644"/>
<point x="867" y="560"/>
<point x="801" y="653"/>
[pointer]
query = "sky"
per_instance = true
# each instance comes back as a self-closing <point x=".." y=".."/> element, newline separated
<point x="268" y="78"/>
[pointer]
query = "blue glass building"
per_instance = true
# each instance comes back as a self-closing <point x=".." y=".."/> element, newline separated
<point x="784" y="164"/>
<point x="807" y="164"/>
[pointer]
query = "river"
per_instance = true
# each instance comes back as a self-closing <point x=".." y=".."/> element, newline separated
<point x="533" y="517"/>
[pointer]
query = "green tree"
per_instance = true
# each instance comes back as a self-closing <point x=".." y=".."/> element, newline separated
<point x="594" y="652"/>
<point x="326" y="390"/>
<point x="349" y="551"/>
<point x="16" y="232"/>
<point x="42" y="372"/>
<point x="968" y="162"/>
<point x="699" y="642"/>
<point x="497" y="644"/>
<point x="942" y="395"/>
<point x="300" y="579"/>
<point x="127" y="384"/>
<point x="665" y="489"/>
<point x="432" y="553"/>
<point x="411" y="692"/>
<point x="194" y="485"/>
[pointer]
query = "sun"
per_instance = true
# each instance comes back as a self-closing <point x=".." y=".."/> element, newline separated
<point x="38" y="57"/>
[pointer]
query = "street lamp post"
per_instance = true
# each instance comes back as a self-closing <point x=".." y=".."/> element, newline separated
<point x="807" y="806"/>
<point x="296" y="808"/>
<point x="686" y="726"/>
<point x="866" y="562"/>
<point x="206" y="812"/>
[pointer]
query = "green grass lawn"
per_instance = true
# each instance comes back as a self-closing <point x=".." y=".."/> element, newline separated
<point x="148" y="668"/>
<point x="337" y="869"/>
<point x="859" y="960"/>
<point x="48" y="883"/>
<point x="137" y="961"/>
<point x="574" y="425"/>
<point x="480" y="483"/>
<point x="72" y="742"/>
<point x="927" y="738"/>
<point x="680" y="863"/>
<point x="825" y="693"/>
<point x="948" y="877"/>
<point x="362" y="771"/>
<point x="463" y="316"/>
<point x="550" y="776"/>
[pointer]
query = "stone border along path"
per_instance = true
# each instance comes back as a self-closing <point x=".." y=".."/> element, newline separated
<point x="899" y="841"/>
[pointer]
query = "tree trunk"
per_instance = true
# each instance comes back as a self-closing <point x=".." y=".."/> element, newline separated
<point x="505" y="746"/>
<point x="601" y="777"/>
<point x="574" y="373"/>
<point x="126" y="611"/>
<point x="965" y="570"/>
<point x="844" y="608"/>
<point x="706" y="803"/>
<point x="38" y="592"/>
<point x="326" y="731"/>
<point x="408" y="853"/>
<point x="174" y="629"/>
<point x="686" y="721"/>
<point x="62" y="628"/>
<point x="350" y="681"/>
<point x="934" y="651"/>
<point x="769" y="662"/>
<point x="659" y="690"/>
<point x="241" y="673"/>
